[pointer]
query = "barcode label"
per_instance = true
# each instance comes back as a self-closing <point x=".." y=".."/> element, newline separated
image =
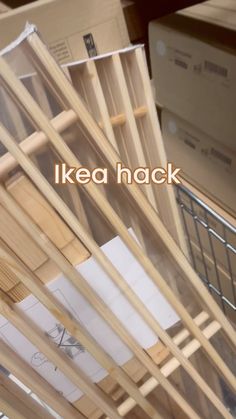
<point x="90" y="45"/>
<point x="216" y="69"/>
<point x="225" y="159"/>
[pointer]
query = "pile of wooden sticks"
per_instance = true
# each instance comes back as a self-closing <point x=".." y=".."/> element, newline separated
<point x="107" y="105"/>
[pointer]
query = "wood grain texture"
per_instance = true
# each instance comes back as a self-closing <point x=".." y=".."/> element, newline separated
<point x="36" y="206"/>
<point x="20" y="242"/>
<point x="17" y="404"/>
<point x="74" y="328"/>
<point x="29" y="377"/>
<point x="110" y="155"/>
<point x="31" y="331"/>
<point x="100" y="141"/>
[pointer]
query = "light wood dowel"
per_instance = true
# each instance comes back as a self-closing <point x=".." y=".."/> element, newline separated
<point x="74" y="328"/>
<point x="29" y="377"/>
<point x="137" y="251"/>
<point x="37" y="140"/>
<point x="76" y="278"/>
<point x="32" y="332"/>
<point x="43" y="123"/>
<point x="68" y="93"/>
<point x="16" y="403"/>
<point x="169" y="368"/>
<point x="35" y="233"/>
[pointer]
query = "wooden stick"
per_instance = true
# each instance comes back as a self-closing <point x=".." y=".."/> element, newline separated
<point x="16" y="403"/>
<point x="85" y="78"/>
<point x="40" y="119"/>
<point x="36" y="288"/>
<point x="169" y="367"/>
<point x="75" y="329"/>
<point x="205" y="343"/>
<point x="12" y="407"/>
<point x="131" y="151"/>
<point x="32" y="332"/>
<point x="40" y="95"/>
<point x="139" y="373"/>
<point x="134" y="247"/>
<point x="19" y="241"/>
<point x="32" y="201"/>
<point x="10" y="108"/>
<point x="137" y="77"/>
<point x="89" y="85"/>
<point x="70" y="96"/>
<point x="28" y="376"/>
<point x="37" y="140"/>
<point x="86" y="290"/>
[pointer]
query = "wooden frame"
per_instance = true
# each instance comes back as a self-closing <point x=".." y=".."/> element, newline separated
<point x="50" y="131"/>
<point x="27" y="375"/>
<point x="18" y="404"/>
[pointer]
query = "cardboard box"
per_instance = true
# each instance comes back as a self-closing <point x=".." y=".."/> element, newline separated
<point x="73" y="29"/>
<point x="193" y="58"/>
<point x="204" y="162"/>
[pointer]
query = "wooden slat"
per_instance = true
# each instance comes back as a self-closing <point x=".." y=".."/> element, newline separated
<point x="31" y="331"/>
<point x="134" y="369"/>
<point x="61" y="122"/>
<point x="68" y="93"/>
<point x="36" y="206"/>
<point x="110" y="155"/>
<point x="16" y="403"/>
<point x="118" y="101"/>
<point x="86" y="82"/>
<point x="138" y="83"/>
<point x="29" y="377"/>
<point x="204" y="341"/>
<point x="39" y="210"/>
<point x="42" y="99"/>
<point x="49" y="221"/>
<point x="40" y="95"/>
<point x="102" y="204"/>
<point x="17" y="123"/>
<point x="82" y="286"/>
<point x="74" y="328"/>
<point x="11" y="406"/>
<point x="19" y="241"/>
<point x="170" y="366"/>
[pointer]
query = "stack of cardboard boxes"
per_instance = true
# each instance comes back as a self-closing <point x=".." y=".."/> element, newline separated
<point x="193" y="56"/>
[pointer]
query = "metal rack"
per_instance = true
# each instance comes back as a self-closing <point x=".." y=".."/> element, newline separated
<point x="202" y="220"/>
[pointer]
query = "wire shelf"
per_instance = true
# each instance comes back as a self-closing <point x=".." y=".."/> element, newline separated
<point x="212" y="245"/>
